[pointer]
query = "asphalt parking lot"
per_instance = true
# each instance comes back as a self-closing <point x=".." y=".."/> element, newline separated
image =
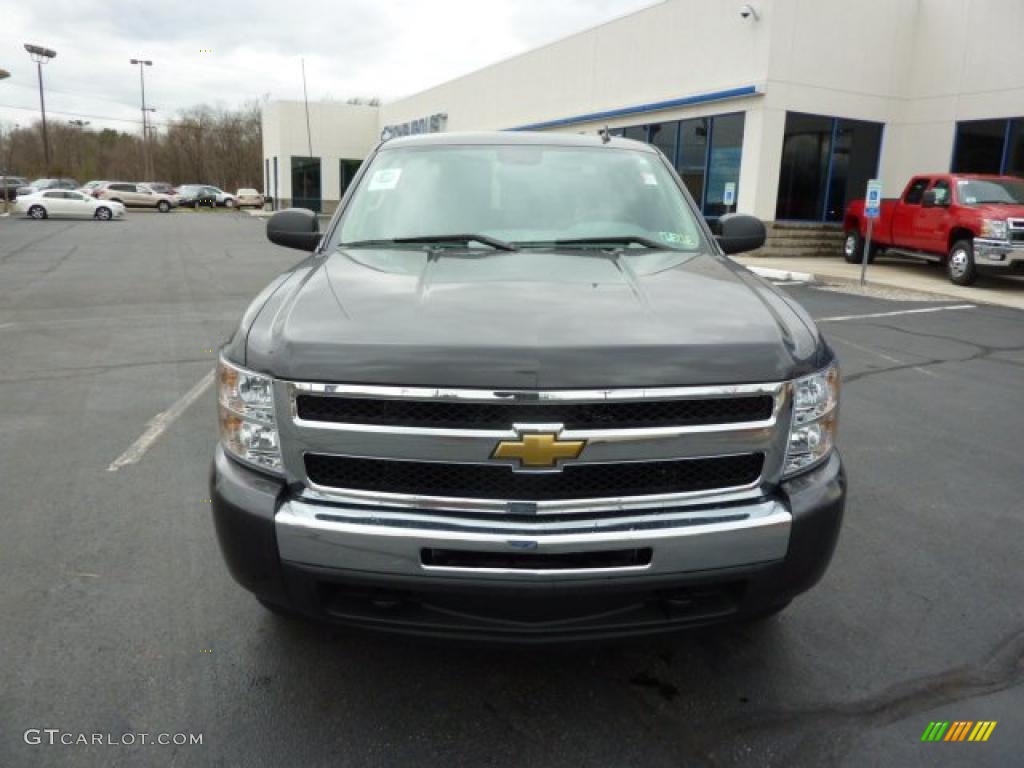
<point x="119" y="615"/>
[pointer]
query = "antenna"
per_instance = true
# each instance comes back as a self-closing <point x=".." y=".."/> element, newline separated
<point x="305" y="98"/>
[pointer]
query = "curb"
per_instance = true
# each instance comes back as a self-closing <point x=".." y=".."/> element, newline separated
<point x="782" y="274"/>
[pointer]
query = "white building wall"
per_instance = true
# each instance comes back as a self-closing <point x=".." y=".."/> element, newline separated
<point x="674" y="49"/>
<point x="338" y="131"/>
<point x="918" y="66"/>
<point x="968" y="64"/>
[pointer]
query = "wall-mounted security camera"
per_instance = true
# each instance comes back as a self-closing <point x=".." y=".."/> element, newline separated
<point x="747" y="11"/>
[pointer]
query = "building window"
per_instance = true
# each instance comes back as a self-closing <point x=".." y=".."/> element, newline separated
<point x="1014" y="165"/>
<point x="825" y="162"/>
<point x="723" y="161"/>
<point x="636" y="132"/>
<point x="347" y="170"/>
<point x="989" y="146"/>
<point x="663" y="136"/>
<point x="693" y="155"/>
<point x="306" y="183"/>
<point x="858" y="144"/>
<point x="705" y="151"/>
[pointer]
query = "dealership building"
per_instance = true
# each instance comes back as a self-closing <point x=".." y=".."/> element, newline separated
<point x="787" y="107"/>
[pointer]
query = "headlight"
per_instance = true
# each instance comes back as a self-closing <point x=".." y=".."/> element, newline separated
<point x="812" y="434"/>
<point x="993" y="228"/>
<point x="246" y="410"/>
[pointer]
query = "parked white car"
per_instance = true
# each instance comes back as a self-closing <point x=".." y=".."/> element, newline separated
<point x="66" y="202"/>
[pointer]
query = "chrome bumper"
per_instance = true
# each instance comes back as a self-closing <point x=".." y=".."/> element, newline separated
<point x="392" y="543"/>
<point x="997" y="253"/>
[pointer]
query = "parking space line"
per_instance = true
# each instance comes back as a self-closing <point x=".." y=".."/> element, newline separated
<point x="159" y="424"/>
<point x="888" y="358"/>
<point x="839" y="318"/>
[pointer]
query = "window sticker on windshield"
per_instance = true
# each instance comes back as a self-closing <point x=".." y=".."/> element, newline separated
<point x="385" y="178"/>
<point x="650" y="179"/>
<point x="970" y="199"/>
<point x="676" y="239"/>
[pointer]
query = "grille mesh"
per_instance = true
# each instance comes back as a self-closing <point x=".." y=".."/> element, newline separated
<point x="448" y="414"/>
<point x="495" y="481"/>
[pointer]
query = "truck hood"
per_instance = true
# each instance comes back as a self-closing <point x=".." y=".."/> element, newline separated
<point x="999" y="211"/>
<point x="528" y="319"/>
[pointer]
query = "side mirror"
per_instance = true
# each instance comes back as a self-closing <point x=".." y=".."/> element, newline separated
<point x="739" y="232"/>
<point x="929" y="201"/>
<point x="294" y="228"/>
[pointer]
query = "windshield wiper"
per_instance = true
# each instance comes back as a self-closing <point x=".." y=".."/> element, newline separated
<point x="646" y="242"/>
<point x="493" y="242"/>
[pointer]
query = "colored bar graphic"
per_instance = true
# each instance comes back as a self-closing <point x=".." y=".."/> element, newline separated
<point x="958" y="730"/>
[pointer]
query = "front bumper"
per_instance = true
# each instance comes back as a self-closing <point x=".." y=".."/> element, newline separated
<point x="371" y="568"/>
<point x="999" y="254"/>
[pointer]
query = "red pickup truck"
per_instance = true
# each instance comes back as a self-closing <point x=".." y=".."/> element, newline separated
<point x="968" y="222"/>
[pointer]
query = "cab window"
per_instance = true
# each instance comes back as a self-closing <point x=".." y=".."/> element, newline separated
<point x="916" y="191"/>
<point x="941" y="190"/>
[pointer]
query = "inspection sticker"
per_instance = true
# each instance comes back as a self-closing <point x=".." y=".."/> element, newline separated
<point x="386" y="178"/>
<point x="650" y="179"/>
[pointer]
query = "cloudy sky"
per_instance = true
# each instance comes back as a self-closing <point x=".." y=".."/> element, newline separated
<point x="385" y="48"/>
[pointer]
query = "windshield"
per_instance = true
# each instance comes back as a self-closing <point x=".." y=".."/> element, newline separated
<point x="988" y="191"/>
<point x="526" y="195"/>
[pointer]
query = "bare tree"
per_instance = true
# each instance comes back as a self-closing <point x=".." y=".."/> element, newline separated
<point x="202" y="144"/>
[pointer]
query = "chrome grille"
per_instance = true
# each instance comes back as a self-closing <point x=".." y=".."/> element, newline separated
<point x="659" y="448"/>
<point x="493" y="481"/>
<point x="454" y="414"/>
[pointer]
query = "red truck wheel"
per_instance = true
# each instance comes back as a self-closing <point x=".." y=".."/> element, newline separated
<point x="853" y="248"/>
<point x="960" y="264"/>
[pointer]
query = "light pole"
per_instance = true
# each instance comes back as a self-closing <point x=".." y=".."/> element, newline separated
<point x="145" y="133"/>
<point x="80" y="125"/>
<point x="3" y="180"/>
<point x="151" y="129"/>
<point x="41" y="56"/>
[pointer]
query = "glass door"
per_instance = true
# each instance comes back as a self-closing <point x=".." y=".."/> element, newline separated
<point x="306" y="183"/>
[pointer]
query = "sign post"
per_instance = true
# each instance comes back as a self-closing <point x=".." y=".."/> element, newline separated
<point x="872" y="208"/>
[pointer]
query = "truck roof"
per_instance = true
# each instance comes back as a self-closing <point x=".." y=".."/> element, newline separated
<point x="522" y="138"/>
<point x="989" y="176"/>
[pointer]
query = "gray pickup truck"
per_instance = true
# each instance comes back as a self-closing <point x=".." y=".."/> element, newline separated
<point x="517" y="392"/>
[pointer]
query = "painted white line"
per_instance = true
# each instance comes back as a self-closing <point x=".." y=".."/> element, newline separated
<point x="839" y="318"/>
<point x="781" y="274"/>
<point x="159" y="424"/>
<point x="787" y="282"/>
<point x="882" y="355"/>
<point x="869" y="350"/>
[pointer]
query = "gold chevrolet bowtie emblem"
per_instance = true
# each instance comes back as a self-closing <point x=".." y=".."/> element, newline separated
<point x="539" y="450"/>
